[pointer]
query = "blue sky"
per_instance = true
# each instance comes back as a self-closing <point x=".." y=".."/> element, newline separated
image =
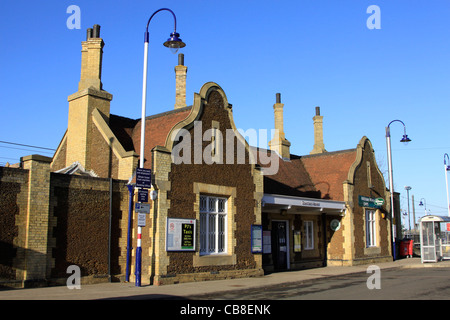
<point x="315" y="53"/>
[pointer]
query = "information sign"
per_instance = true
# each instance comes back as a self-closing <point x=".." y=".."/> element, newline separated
<point x="370" y="202"/>
<point x="143" y="178"/>
<point x="180" y="235"/>
<point x="141" y="219"/>
<point x="267" y="242"/>
<point x="257" y="239"/>
<point x="297" y="241"/>
<point x="143" y="195"/>
<point x="142" y="207"/>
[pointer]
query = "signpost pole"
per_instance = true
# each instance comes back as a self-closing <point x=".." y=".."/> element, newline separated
<point x="143" y="181"/>
<point x="173" y="43"/>
<point x="130" y="211"/>
<point x="138" y="258"/>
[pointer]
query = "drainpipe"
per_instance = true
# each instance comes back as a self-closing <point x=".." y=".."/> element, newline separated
<point x="130" y="213"/>
<point x="110" y="226"/>
<point x="324" y="230"/>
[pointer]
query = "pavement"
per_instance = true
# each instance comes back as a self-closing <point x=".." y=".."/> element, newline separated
<point x="128" y="291"/>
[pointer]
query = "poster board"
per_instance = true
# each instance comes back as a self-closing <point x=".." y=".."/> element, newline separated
<point x="257" y="239"/>
<point x="180" y="234"/>
<point x="141" y="221"/>
<point x="297" y="241"/>
<point x="267" y="241"/>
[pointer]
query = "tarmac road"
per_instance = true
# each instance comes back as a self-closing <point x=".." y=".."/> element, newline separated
<point x="395" y="284"/>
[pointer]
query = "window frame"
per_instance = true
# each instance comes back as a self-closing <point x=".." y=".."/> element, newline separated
<point x="213" y="213"/>
<point x="309" y="235"/>
<point x="371" y="228"/>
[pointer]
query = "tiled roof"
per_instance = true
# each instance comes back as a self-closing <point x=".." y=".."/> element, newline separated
<point x="157" y="127"/>
<point x="314" y="176"/>
<point x="291" y="179"/>
<point x="328" y="171"/>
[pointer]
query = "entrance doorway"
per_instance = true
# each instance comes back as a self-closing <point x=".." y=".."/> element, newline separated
<point x="280" y="245"/>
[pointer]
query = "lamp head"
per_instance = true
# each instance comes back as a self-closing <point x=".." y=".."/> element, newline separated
<point x="174" y="42"/>
<point x="405" y="139"/>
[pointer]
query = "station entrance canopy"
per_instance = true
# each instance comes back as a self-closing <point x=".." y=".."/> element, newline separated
<point x="300" y="205"/>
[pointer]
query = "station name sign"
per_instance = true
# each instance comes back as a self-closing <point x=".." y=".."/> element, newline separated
<point x="310" y="204"/>
<point x="370" y="202"/>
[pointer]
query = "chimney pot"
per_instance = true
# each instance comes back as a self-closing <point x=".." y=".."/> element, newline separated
<point x="317" y="111"/>
<point x="89" y="33"/>
<point x="279" y="143"/>
<point x="181" y="59"/>
<point x="96" y="33"/>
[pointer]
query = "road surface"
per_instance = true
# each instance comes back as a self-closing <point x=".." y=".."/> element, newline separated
<point x="396" y="284"/>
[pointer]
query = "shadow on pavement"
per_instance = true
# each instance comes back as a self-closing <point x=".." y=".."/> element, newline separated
<point x="147" y="297"/>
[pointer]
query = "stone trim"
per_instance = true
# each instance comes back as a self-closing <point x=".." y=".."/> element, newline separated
<point x="37" y="220"/>
<point x="127" y="159"/>
<point x="220" y="259"/>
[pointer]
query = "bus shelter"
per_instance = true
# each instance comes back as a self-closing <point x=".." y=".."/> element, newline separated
<point x="434" y="240"/>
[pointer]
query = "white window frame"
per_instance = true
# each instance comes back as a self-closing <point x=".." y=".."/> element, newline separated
<point x="309" y="235"/>
<point x="213" y="225"/>
<point x="371" y="228"/>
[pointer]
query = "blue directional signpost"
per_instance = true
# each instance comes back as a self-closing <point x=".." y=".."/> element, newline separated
<point x="142" y="208"/>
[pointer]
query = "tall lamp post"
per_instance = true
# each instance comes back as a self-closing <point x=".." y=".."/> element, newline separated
<point x="424" y="203"/>
<point x="447" y="168"/>
<point x="173" y="43"/>
<point x="407" y="188"/>
<point x="404" y="139"/>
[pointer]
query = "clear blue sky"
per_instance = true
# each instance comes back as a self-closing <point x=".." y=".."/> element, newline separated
<point x="315" y="53"/>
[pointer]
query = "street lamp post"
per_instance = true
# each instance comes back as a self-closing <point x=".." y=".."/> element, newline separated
<point x="174" y="43"/>
<point x="407" y="188"/>
<point x="424" y="203"/>
<point x="405" y="139"/>
<point x="447" y="168"/>
<point x="413" y="212"/>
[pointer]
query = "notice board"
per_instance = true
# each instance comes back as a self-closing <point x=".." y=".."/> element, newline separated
<point x="257" y="239"/>
<point x="180" y="235"/>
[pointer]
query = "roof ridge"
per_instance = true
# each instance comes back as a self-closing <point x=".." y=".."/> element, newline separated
<point x="165" y="113"/>
<point x="328" y="153"/>
<point x="296" y="156"/>
<point x="154" y="116"/>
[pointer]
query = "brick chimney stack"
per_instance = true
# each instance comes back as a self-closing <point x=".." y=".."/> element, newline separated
<point x="279" y="143"/>
<point x="91" y="60"/>
<point x="90" y="96"/>
<point x="180" y="83"/>
<point x="319" y="146"/>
